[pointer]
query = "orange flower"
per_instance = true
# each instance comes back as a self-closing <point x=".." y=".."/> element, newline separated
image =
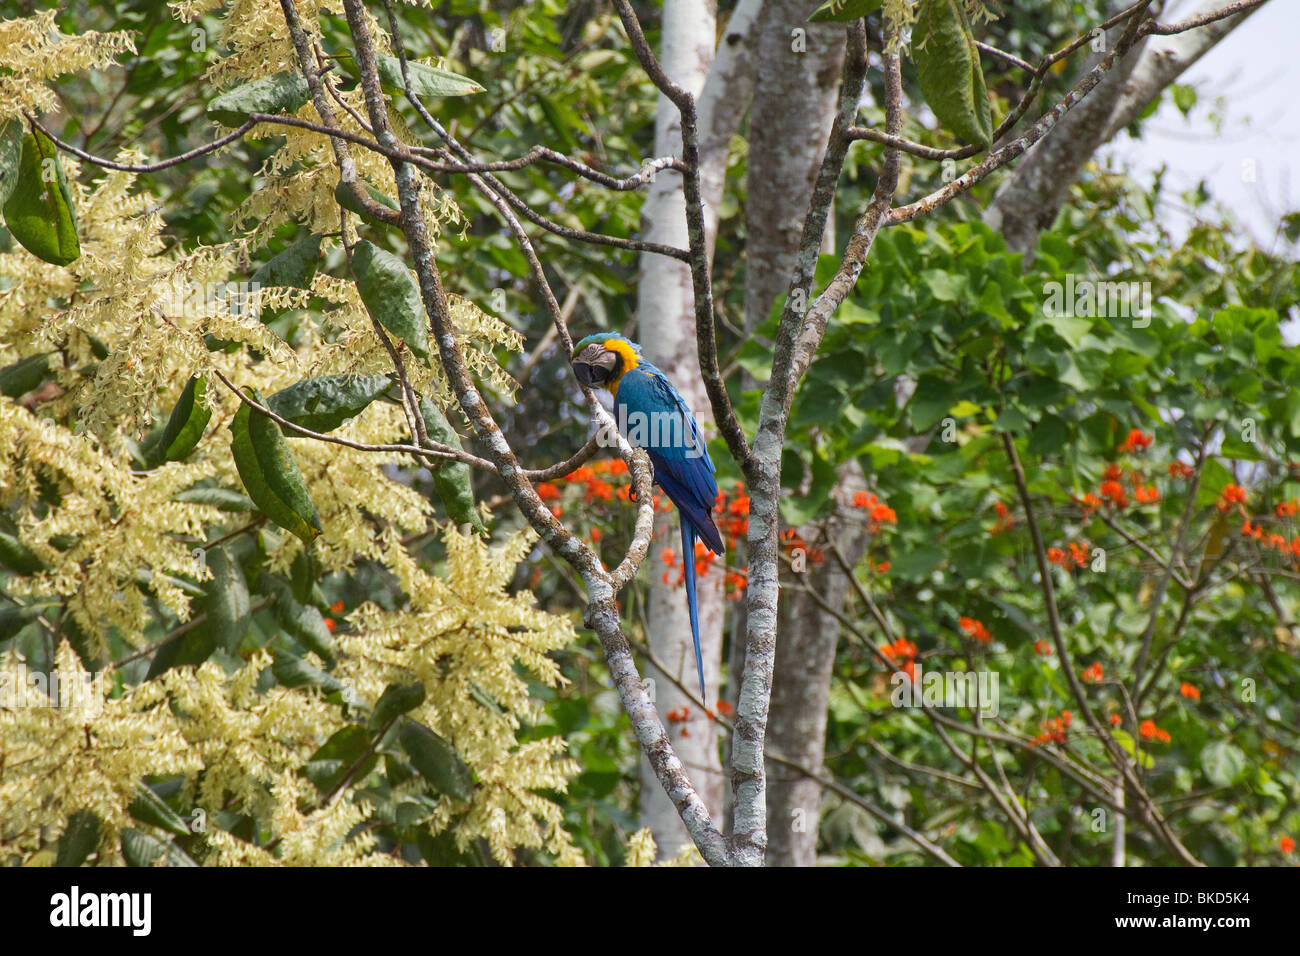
<point x="1043" y="648"/>
<point x="1286" y="844"/>
<point x="883" y="566"/>
<point x="1092" y="672"/>
<point x="1113" y="490"/>
<point x="1067" y="718"/>
<point x="740" y="506"/>
<point x="336" y="607"/>
<point x="1146" y="494"/>
<point x="1287" y="509"/>
<point x="1089" y="503"/>
<point x="581" y="474"/>
<point x="1136" y="441"/>
<point x="668" y="556"/>
<point x="975" y="629"/>
<point x="1113" y="472"/>
<point x="882" y="515"/>
<point x="1190" y="691"/>
<point x="1231" y="495"/>
<point x="329" y="624"/>
<point x="547" y="491"/>
<point x="900" y="649"/>
<point x="1180" y="469"/>
<point x="724" y="707"/>
<point x="595" y="535"/>
<point x="1115" y="720"/>
<point x="1163" y="736"/>
<point x="1147" y="729"/>
<point x="863" y="500"/>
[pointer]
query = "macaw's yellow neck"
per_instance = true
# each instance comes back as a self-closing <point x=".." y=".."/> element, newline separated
<point x="630" y="361"/>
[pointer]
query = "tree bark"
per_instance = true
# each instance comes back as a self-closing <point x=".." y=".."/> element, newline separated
<point x="666" y="314"/>
<point x="794" y="105"/>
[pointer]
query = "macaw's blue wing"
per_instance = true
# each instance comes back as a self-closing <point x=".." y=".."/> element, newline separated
<point x="671" y="436"/>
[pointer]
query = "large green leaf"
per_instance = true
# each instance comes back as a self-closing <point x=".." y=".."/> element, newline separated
<point x="948" y="69"/>
<point x="294" y="267"/>
<point x="396" y="700"/>
<point x="270" y="475"/>
<point x="24" y="375"/>
<point x="426" y="81"/>
<point x="150" y="808"/>
<point x="436" y="760"/>
<point x="391" y="295"/>
<point x="285" y="92"/>
<point x="302" y="622"/>
<point x="145" y="849"/>
<point x="80" y="839"/>
<point x="40" y="213"/>
<point x="452" y="479"/>
<point x="323" y="404"/>
<point x="188" y="420"/>
<point x="345" y="194"/>
<point x="229" y="606"/>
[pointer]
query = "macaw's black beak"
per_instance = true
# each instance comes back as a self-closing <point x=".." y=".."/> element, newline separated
<point x="596" y="366"/>
<point x="585" y="373"/>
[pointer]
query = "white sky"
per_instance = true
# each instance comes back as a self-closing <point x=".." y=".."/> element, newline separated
<point x="1251" y="80"/>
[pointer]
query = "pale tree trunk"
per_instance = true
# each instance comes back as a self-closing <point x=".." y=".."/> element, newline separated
<point x="666" y="321"/>
<point x="805" y="655"/>
<point x="799" y="72"/>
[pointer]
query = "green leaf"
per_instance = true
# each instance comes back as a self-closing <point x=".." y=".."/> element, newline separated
<point x="80" y="839"/>
<point x="948" y="69"/>
<point x="345" y="195"/>
<point x="11" y="152"/>
<point x="17" y="557"/>
<point x="187" y="423"/>
<point x="1223" y="763"/>
<point x="337" y="755"/>
<point x="149" y="808"/>
<point x="189" y="650"/>
<point x="451" y="480"/>
<point x="396" y="700"/>
<point x="40" y="213"/>
<point x="425" y="80"/>
<point x="294" y="267"/>
<point x="292" y="671"/>
<point x="24" y="375"/>
<point x="323" y="404"/>
<point x="229" y="613"/>
<point x="227" y="499"/>
<point x="302" y="622"/>
<point x="844" y="11"/>
<point x="391" y="295"/>
<point x="286" y="92"/>
<point x="436" y="760"/>
<point x="14" y="618"/>
<point x="270" y="475"/>
<point x="145" y="849"/>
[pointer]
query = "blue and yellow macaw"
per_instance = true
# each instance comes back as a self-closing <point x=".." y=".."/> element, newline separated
<point x="653" y="415"/>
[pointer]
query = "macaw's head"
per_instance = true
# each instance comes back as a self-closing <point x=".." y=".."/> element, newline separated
<point x="600" y="361"/>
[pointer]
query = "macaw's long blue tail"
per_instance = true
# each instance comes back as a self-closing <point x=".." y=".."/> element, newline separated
<point x="688" y="564"/>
